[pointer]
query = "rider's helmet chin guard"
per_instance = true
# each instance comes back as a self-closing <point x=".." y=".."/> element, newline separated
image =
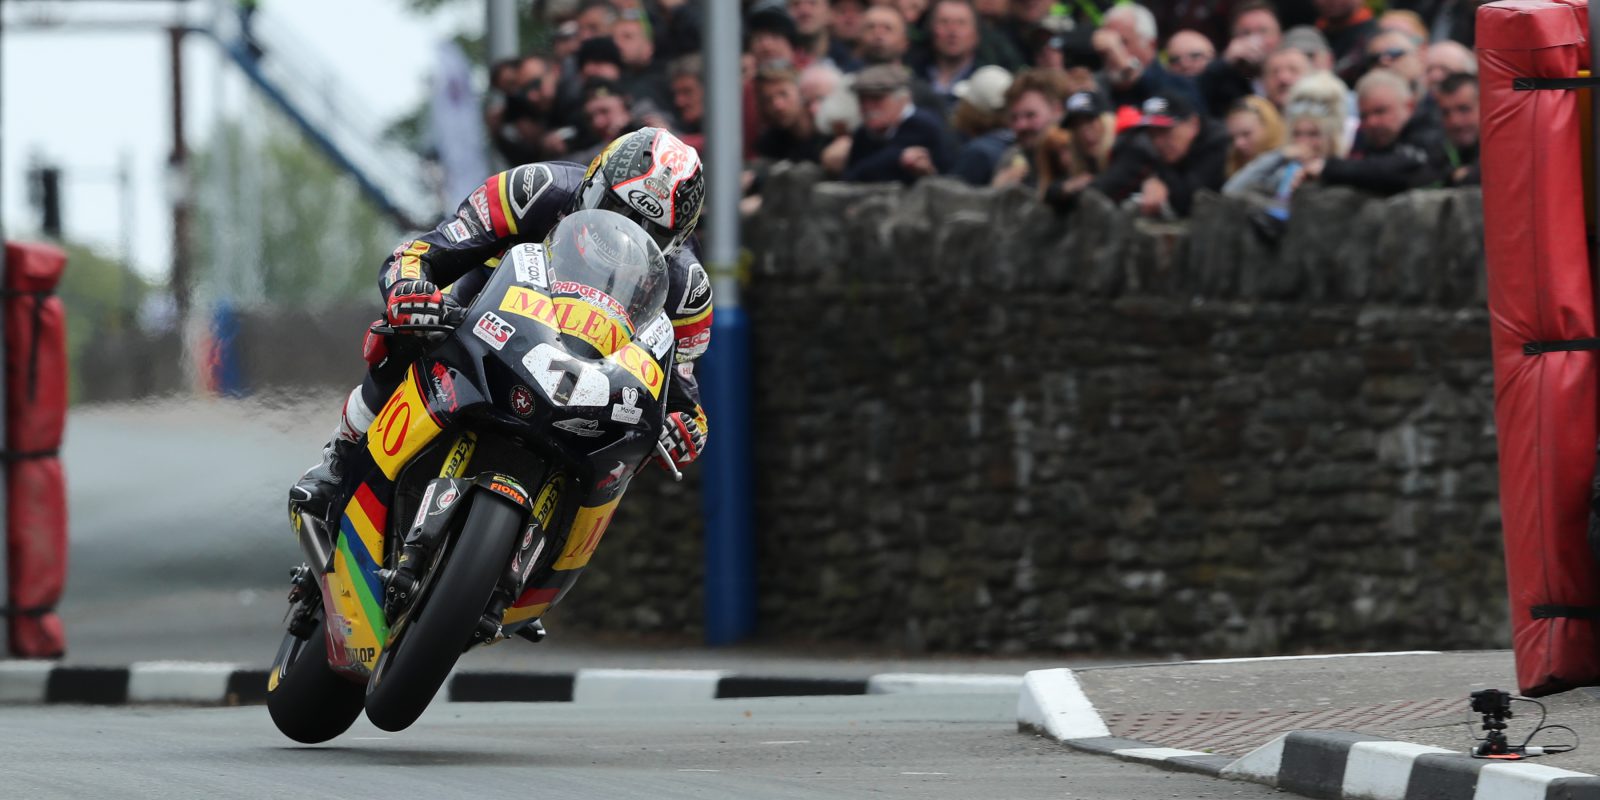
<point x="651" y="177"/>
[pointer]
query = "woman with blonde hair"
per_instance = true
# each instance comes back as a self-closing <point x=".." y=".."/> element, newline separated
<point x="1081" y="149"/>
<point x="1254" y="127"/>
<point x="1316" y="113"/>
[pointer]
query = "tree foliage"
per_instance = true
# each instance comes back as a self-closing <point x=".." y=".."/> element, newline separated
<point x="280" y="225"/>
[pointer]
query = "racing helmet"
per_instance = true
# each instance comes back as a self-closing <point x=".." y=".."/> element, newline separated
<point x="650" y="177"/>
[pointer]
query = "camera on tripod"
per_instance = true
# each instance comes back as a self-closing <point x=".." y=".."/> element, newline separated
<point x="1495" y="706"/>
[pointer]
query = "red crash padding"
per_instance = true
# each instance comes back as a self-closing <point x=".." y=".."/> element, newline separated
<point x="36" y="409"/>
<point x="1540" y="291"/>
<point x="36" y="561"/>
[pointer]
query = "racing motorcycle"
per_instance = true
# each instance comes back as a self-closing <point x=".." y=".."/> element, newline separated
<point x="490" y="475"/>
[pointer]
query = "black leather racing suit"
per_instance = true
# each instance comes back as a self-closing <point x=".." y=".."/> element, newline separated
<point x="521" y="205"/>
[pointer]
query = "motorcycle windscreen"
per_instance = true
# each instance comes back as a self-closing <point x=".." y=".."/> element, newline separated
<point x="1540" y="291"/>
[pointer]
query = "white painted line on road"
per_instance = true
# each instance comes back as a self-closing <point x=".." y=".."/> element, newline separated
<point x="1259" y="765"/>
<point x="924" y="773"/>
<point x="178" y="681"/>
<point x="1313" y="658"/>
<point x="924" y="683"/>
<point x="24" y="681"/>
<point x="1155" y="753"/>
<point x="1052" y="701"/>
<point x="654" y="686"/>
<point x="1519" y="781"/>
<point x="699" y="770"/>
<point x="791" y="741"/>
<point x="1382" y="770"/>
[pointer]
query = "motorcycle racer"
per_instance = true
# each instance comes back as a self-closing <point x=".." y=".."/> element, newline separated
<point x="649" y="176"/>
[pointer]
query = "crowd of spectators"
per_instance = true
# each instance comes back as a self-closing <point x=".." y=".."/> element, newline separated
<point x="1146" y="105"/>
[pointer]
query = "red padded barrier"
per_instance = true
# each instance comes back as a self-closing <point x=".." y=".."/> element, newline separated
<point x="36" y="410"/>
<point x="1540" y="290"/>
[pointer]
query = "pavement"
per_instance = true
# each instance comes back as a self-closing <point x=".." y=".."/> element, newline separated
<point x="1359" y="726"/>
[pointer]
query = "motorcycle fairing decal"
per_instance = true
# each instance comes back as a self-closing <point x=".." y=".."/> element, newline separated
<point x="455" y="465"/>
<point x="574" y="316"/>
<point x="532" y="603"/>
<point x="403" y="427"/>
<point x="584" y="536"/>
<point x="641" y="365"/>
<point x="357" y="591"/>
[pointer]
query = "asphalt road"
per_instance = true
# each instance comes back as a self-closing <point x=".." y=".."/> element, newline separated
<point x="891" y="746"/>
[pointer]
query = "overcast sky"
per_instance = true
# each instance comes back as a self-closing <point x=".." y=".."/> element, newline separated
<point x="82" y="98"/>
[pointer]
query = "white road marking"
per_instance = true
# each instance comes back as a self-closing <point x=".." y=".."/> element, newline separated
<point x="791" y="741"/>
<point x="699" y="770"/>
<point x="924" y="773"/>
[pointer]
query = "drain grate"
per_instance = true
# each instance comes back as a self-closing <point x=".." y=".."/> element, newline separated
<point x="1235" y="732"/>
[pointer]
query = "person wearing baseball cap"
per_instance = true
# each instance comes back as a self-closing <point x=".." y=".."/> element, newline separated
<point x="1094" y="131"/>
<point x="980" y="119"/>
<point x="1170" y="154"/>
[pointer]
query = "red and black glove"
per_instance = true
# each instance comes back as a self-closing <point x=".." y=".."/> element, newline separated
<point x="683" y="437"/>
<point x="415" y="302"/>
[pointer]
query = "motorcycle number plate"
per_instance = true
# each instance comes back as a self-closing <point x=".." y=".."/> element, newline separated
<point x="566" y="380"/>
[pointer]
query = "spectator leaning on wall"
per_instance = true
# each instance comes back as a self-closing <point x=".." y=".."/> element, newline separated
<point x="896" y="140"/>
<point x="788" y="132"/>
<point x="1182" y="153"/>
<point x="1395" y="149"/>
<point x="980" y="119"/>
<point x="1035" y="104"/>
<point x="1457" y="99"/>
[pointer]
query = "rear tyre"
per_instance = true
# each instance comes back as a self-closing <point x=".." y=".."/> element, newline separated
<point x="310" y="703"/>
<point x="409" y="675"/>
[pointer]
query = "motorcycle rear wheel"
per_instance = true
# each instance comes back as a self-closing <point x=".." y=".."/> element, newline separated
<point x="310" y="702"/>
<point x="409" y="674"/>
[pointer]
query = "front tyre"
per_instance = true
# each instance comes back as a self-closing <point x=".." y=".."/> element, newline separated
<point x="410" y="674"/>
<point x="308" y="701"/>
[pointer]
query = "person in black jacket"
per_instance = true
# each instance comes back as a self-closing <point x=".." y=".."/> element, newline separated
<point x="1171" y="154"/>
<point x="1395" y="149"/>
<point x="896" y="141"/>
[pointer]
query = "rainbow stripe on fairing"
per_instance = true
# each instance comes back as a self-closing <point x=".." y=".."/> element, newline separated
<point x="357" y="592"/>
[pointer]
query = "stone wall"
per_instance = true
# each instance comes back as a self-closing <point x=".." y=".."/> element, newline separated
<point x="982" y="427"/>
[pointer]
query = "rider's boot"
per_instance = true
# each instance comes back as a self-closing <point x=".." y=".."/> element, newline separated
<point x="318" y="487"/>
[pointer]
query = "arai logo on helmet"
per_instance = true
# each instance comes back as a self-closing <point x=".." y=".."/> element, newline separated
<point x="646" y="204"/>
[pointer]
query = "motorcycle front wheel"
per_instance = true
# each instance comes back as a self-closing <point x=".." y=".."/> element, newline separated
<point x="308" y="701"/>
<point x="410" y="672"/>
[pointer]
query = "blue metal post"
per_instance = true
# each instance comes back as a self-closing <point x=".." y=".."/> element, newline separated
<point x="730" y="588"/>
<point x="730" y="585"/>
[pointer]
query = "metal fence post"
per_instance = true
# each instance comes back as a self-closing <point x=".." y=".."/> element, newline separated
<point x="726" y="469"/>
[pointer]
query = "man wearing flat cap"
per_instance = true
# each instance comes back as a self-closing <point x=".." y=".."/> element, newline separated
<point x="1172" y="153"/>
<point x="896" y="141"/>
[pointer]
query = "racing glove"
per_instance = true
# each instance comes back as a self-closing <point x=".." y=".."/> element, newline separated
<point x="415" y="302"/>
<point x="683" y="437"/>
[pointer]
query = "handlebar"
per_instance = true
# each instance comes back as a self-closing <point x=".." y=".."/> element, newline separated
<point x="383" y="329"/>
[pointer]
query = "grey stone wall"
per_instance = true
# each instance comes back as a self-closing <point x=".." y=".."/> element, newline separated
<point x="981" y="427"/>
